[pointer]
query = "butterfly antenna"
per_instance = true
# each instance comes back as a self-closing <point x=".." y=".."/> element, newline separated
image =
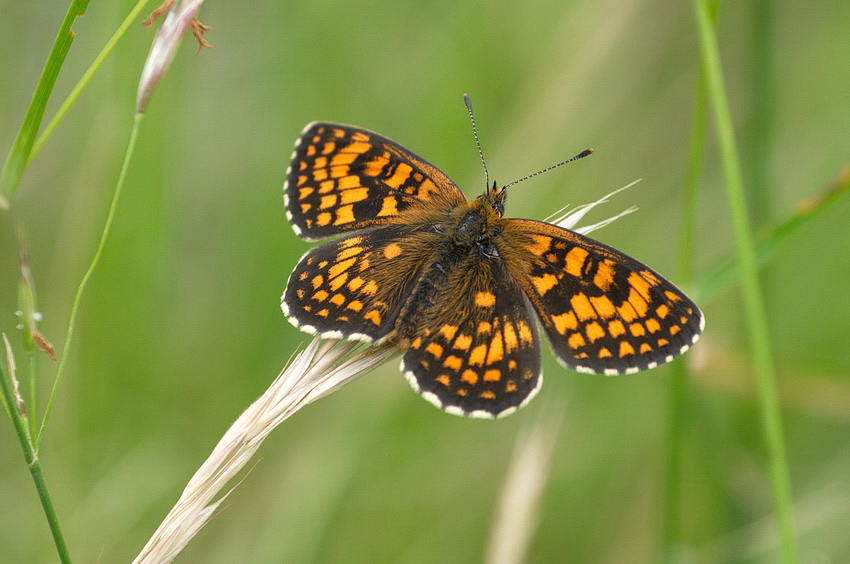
<point x="468" y="103"/>
<point x="547" y="169"/>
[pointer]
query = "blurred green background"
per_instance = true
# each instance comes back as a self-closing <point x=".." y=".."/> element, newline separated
<point x="180" y="328"/>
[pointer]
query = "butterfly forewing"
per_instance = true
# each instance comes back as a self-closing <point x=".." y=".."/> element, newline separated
<point x="344" y="178"/>
<point x="604" y="312"/>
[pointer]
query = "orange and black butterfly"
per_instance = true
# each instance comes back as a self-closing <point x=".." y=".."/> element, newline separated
<point x="457" y="285"/>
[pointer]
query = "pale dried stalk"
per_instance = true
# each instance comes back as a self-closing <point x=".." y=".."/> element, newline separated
<point x="321" y="368"/>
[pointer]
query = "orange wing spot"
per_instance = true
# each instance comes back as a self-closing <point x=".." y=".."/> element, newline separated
<point x="389" y="206"/>
<point x="348" y="182"/>
<point x="303" y="193"/>
<point x="308" y="308"/>
<point x="510" y="336"/>
<point x="684" y="320"/>
<point x="321" y="264"/>
<point x="652" y="325"/>
<point x="371" y="288"/>
<point x="323" y="219"/>
<point x="391" y="251"/>
<point x="306" y="207"/>
<point x="645" y="348"/>
<point x="311" y="150"/>
<point x="485" y="299"/>
<point x="303" y="276"/>
<point x="323" y="312"/>
<point x="453" y="362"/>
<point x="317" y="281"/>
<point x="673" y="297"/>
<point x="320" y="296"/>
<point x="462" y="392"/>
<point x="302" y="178"/>
<point x="329" y="146"/>
<point x="526" y="337"/>
<point x="350" y="242"/>
<point x="360" y="136"/>
<point x="355" y="305"/>
<point x="344" y="214"/>
<point x="342" y="159"/>
<point x="300" y="293"/>
<point x="444" y="380"/>
<point x="581" y="355"/>
<point x="637" y="302"/>
<point x="594" y="331"/>
<point x="435" y="349"/>
<point x="511" y="386"/>
<point x="564" y="322"/>
<point x="326" y="186"/>
<point x="320" y="162"/>
<point x="340" y="267"/>
<point x="374" y="316"/>
<point x="576" y="341"/>
<point x="604" y="276"/>
<point x="358" y="146"/>
<point x="626" y="349"/>
<point x="604" y="353"/>
<point x="637" y="330"/>
<point x="375" y="167"/>
<point x="512" y="365"/>
<point x="487" y="394"/>
<point x="338" y="282"/>
<point x="616" y="328"/>
<point x="353" y="195"/>
<point x="640" y="284"/>
<point x="492" y="375"/>
<point x="337" y="300"/>
<point x="417" y="342"/>
<point x="582" y="307"/>
<point x="348" y="252"/>
<point x="355" y="284"/>
<point x="469" y="377"/>
<point x="662" y="311"/>
<point x="321" y="175"/>
<point x="544" y="283"/>
<point x="484" y="327"/>
<point x="400" y="175"/>
<point x="575" y="261"/>
<point x="603" y="306"/>
<point x="674" y="329"/>
<point x="477" y="355"/>
<point x="462" y="343"/>
<point x="540" y="246"/>
<point x="448" y="331"/>
<point x="663" y="342"/>
<point x="364" y="264"/>
<point x="497" y="351"/>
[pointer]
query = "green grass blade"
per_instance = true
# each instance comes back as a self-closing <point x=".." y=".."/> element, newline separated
<point x="16" y="160"/>
<point x="754" y="310"/>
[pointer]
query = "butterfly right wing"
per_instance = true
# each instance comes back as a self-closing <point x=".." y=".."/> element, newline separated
<point x="354" y="287"/>
<point x="344" y="178"/>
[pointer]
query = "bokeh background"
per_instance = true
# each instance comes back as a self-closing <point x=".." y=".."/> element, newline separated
<point x="180" y="328"/>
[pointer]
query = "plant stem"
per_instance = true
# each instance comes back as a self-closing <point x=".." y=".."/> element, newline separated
<point x="754" y="309"/>
<point x="15" y="409"/>
<point x="95" y="259"/>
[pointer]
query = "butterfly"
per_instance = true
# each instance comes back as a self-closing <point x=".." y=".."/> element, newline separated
<point x="457" y="285"/>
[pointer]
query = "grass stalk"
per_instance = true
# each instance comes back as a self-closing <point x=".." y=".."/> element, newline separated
<point x="19" y="153"/>
<point x="15" y="408"/>
<point x="72" y="318"/>
<point x="754" y="308"/>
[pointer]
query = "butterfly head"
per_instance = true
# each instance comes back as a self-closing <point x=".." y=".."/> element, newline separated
<point x="495" y="197"/>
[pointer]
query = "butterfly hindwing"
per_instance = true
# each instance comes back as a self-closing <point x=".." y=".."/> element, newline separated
<point x="344" y="178"/>
<point x="354" y="287"/>
<point x="603" y="311"/>
<point x="480" y="356"/>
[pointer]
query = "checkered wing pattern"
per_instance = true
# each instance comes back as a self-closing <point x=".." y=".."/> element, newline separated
<point x="344" y="178"/>
<point x="479" y="355"/>
<point x="354" y="287"/>
<point x="603" y="311"/>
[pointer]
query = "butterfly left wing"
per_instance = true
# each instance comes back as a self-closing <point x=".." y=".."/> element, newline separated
<point x="603" y="311"/>
<point x="479" y="356"/>
<point x="344" y="178"/>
